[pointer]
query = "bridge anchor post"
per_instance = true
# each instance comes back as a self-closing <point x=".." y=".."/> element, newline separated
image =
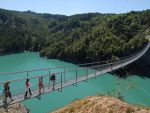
<point x="27" y="74"/>
<point x="61" y="83"/>
<point x="49" y="78"/>
<point x="87" y="74"/>
<point x="76" y="77"/>
<point x="64" y="74"/>
<point x="95" y="73"/>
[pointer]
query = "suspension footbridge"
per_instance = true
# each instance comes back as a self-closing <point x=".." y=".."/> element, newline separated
<point x="65" y="76"/>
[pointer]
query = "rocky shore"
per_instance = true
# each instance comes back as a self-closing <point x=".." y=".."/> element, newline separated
<point x="14" y="108"/>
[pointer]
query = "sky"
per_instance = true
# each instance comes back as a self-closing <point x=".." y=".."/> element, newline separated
<point x="71" y="7"/>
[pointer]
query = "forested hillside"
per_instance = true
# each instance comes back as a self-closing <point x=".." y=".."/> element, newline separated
<point x="77" y="38"/>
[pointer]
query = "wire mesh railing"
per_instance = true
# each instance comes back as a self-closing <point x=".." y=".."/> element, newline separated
<point x="66" y="75"/>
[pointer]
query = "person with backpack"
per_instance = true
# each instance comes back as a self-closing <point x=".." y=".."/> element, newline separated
<point x="53" y="78"/>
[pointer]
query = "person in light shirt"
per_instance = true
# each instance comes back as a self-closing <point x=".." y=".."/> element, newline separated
<point x="28" y="85"/>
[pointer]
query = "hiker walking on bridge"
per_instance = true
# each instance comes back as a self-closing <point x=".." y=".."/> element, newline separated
<point x="40" y="84"/>
<point x="7" y="91"/>
<point x="53" y="78"/>
<point x="28" y="85"/>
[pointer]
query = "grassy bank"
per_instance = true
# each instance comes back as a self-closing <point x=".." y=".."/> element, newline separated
<point x="101" y="104"/>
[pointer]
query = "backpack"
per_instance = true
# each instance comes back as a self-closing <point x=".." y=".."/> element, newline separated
<point x="52" y="77"/>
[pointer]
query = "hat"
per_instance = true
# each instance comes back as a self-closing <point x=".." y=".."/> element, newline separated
<point x="7" y="82"/>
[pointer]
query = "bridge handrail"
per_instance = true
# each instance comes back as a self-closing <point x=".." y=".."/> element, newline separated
<point x="107" y="66"/>
<point x="82" y="68"/>
<point x="51" y="68"/>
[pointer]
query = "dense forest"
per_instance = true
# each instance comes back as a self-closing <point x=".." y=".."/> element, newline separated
<point x="77" y="38"/>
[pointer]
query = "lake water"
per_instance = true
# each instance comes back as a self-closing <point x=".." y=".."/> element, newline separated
<point x="134" y="88"/>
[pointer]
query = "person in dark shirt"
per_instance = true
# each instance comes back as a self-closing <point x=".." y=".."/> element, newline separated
<point x="7" y="91"/>
<point x="53" y="78"/>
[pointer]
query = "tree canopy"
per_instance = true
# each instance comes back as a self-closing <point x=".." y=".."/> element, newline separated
<point x="77" y="38"/>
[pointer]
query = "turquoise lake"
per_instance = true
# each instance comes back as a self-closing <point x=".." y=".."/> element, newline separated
<point x="134" y="88"/>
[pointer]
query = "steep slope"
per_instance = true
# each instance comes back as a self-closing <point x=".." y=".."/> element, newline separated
<point x="14" y="108"/>
<point x="77" y="38"/>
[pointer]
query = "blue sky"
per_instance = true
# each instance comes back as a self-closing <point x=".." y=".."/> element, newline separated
<point x="70" y="7"/>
